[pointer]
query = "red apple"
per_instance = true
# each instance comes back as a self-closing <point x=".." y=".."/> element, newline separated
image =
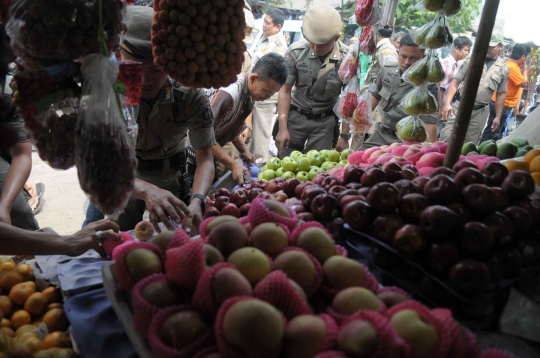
<point x="385" y="226"/>
<point x="298" y="208"/>
<point x="364" y="191"/>
<point x="441" y="256"/>
<point x="354" y="186"/>
<point x="300" y="188"/>
<point x="273" y="186"/>
<point x="348" y="198"/>
<point x="495" y="173"/>
<point x="324" y="207"/>
<point x="441" y="189"/>
<point x="209" y="203"/>
<point x="352" y="174"/>
<point x="533" y="207"/>
<point x="336" y="190"/>
<point x="521" y="219"/>
<point x="468" y="176"/>
<point x="463" y="164"/>
<point x="330" y="182"/>
<point x="439" y="223"/>
<point x="347" y="192"/>
<point x="336" y="228"/>
<point x="411" y="207"/>
<point x="392" y="171"/>
<point x="357" y="214"/>
<point x="231" y="209"/>
<point x="518" y="185"/>
<point x="280" y="196"/>
<point x="469" y="277"/>
<point x="293" y="201"/>
<point x="479" y="199"/>
<point x="244" y="209"/>
<point x="213" y="211"/>
<point x="408" y="174"/>
<point x="383" y="198"/>
<point x="463" y="212"/>
<point x="410" y="167"/>
<point x="290" y="185"/>
<point x="409" y="241"/>
<point x="144" y="230"/>
<point x="318" y="179"/>
<point x="254" y="193"/>
<point x="502" y="200"/>
<point x="221" y="201"/>
<point x="372" y="176"/>
<point x="476" y="240"/>
<point x="310" y="193"/>
<point x="239" y="197"/>
<point x="443" y="170"/>
<point x="501" y="227"/>
<point x="421" y="182"/>
<point x="306" y="217"/>
<point x="259" y="184"/>
<point x="405" y="187"/>
<point x="222" y="192"/>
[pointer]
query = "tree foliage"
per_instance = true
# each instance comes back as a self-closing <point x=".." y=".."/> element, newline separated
<point x="408" y="17"/>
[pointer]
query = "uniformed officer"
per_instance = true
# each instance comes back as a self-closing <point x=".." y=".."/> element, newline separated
<point x="494" y="79"/>
<point x="390" y="90"/>
<point x="306" y="119"/>
<point x="170" y="118"/>
<point x="272" y="40"/>
<point x="385" y="53"/>
<point x="250" y="25"/>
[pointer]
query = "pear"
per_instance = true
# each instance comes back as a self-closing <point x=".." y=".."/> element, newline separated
<point x="452" y="7"/>
<point x="433" y="5"/>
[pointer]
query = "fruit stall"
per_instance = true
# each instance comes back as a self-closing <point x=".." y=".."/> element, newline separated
<point x="413" y="249"/>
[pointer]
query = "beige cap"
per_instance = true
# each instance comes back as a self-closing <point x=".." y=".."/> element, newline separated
<point x="321" y="24"/>
<point x="250" y="20"/>
<point x="496" y="38"/>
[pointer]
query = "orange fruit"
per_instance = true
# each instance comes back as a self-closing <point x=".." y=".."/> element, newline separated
<point x="55" y="320"/>
<point x="7" y="331"/>
<point x="534" y="165"/>
<point x="23" y="329"/>
<point x="56" y="340"/>
<point x="29" y="340"/>
<point x="5" y="323"/>
<point x="20" y="318"/>
<point x="8" y="279"/>
<point x="20" y="293"/>
<point x="36" y="303"/>
<point x="514" y="165"/>
<point x="5" y="342"/>
<point x="53" y="294"/>
<point x="6" y="306"/>
<point x="531" y="154"/>
<point x="31" y="283"/>
<point x="53" y="306"/>
<point x="7" y="266"/>
<point x="26" y="271"/>
<point x="536" y="177"/>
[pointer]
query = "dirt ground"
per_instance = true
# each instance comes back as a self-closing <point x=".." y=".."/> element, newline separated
<point x="64" y="199"/>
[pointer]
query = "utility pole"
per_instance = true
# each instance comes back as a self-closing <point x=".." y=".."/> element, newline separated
<point x="388" y="17"/>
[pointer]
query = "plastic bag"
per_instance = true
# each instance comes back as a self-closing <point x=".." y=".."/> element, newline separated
<point x="129" y="87"/>
<point x="439" y="34"/>
<point x="411" y="130"/>
<point x="348" y="67"/>
<point x="419" y="101"/>
<point x="63" y="29"/>
<point x="105" y="157"/>
<point x="433" y="5"/>
<point x="367" y="41"/>
<point x="417" y="73"/>
<point x="451" y="7"/>
<point x="348" y="101"/>
<point x="361" y="120"/>
<point x="435" y="73"/>
<point x="366" y="12"/>
<point x="419" y="34"/>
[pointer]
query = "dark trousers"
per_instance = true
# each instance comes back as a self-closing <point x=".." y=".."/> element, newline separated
<point x="488" y="134"/>
<point x="21" y="214"/>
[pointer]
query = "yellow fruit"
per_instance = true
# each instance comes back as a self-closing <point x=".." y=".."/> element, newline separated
<point x="514" y="165"/>
<point x="7" y="331"/>
<point x="20" y="318"/>
<point x="7" y="266"/>
<point x="53" y="294"/>
<point x="531" y="154"/>
<point x="5" y="323"/>
<point x="20" y="293"/>
<point x="8" y="279"/>
<point x="56" y="320"/>
<point x="53" y="306"/>
<point x="31" y="283"/>
<point x="534" y="166"/>
<point x="6" y="259"/>
<point x="56" y="340"/>
<point x="23" y="329"/>
<point x="6" y="306"/>
<point x="36" y="304"/>
<point x="26" y="271"/>
<point x="536" y="177"/>
<point x="29" y="340"/>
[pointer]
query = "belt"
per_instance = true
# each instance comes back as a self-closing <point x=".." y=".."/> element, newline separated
<point x="177" y="160"/>
<point x="311" y="115"/>
<point x="479" y="106"/>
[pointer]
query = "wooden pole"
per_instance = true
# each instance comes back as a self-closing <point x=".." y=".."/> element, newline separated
<point x="389" y="13"/>
<point x="470" y="88"/>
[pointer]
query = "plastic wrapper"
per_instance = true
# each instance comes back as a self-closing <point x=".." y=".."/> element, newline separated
<point x="519" y="317"/>
<point x="361" y="121"/>
<point x="366" y="12"/>
<point x="348" y="101"/>
<point x="451" y="7"/>
<point x="419" y="35"/>
<point x="129" y="87"/>
<point x="435" y="73"/>
<point x="200" y="45"/>
<point x="417" y="73"/>
<point x="419" y="101"/>
<point x="411" y="130"/>
<point x="105" y="158"/>
<point x="349" y="65"/>
<point x="367" y="41"/>
<point x="28" y="87"/>
<point x="44" y="30"/>
<point x="433" y="5"/>
<point x="439" y="34"/>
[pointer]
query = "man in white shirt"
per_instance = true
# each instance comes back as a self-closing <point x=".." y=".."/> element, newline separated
<point x="263" y="112"/>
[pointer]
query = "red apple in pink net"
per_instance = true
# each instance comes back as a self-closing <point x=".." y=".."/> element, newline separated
<point x="144" y="230"/>
<point x="432" y="160"/>
<point x="377" y="154"/>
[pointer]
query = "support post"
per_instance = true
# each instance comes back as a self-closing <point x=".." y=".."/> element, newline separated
<point x="470" y="88"/>
<point x="389" y="13"/>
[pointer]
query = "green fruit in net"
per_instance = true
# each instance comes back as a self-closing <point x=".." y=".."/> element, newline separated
<point x="421" y="33"/>
<point x="451" y="7"/>
<point x="435" y="73"/>
<point x="433" y="5"/>
<point x="418" y="72"/>
<point x="436" y="37"/>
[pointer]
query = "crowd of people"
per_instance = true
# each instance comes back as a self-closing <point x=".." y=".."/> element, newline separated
<point x="189" y="137"/>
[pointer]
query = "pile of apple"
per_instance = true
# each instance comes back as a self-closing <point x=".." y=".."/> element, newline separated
<point x="266" y="286"/>
<point x="304" y="166"/>
<point x="425" y="156"/>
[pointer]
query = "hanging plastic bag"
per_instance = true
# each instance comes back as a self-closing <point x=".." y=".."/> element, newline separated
<point x="60" y="30"/>
<point x="366" y="12"/>
<point x="411" y="130"/>
<point x="435" y="73"/>
<point x="349" y="65"/>
<point x="129" y="88"/>
<point x="433" y="5"/>
<point x="451" y="7"/>
<point x="348" y="101"/>
<point x="417" y="73"/>
<point x="367" y="41"/>
<point x="362" y="116"/>
<point x="419" y="34"/>
<point x="419" y="101"/>
<point x="105" y="157"/>
<point x="439" y="34"/>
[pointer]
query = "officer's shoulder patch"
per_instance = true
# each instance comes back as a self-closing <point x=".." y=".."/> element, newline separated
<point x="299" y="46"/>
<point x="391" y="64"/>
<point x="278" y="42"/>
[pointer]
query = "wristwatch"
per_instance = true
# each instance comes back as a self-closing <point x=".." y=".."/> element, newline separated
<point x="202" y="198"/>
<point x="345" y="136"/>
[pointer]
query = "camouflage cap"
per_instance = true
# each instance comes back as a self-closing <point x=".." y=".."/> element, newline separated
<point x="321" y="24"/>
<point x="137" y="38"/>
<point x="496" y="38"/>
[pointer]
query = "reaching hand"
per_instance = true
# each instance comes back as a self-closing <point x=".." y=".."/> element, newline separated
<point x="246" y="135"/>
<point x="162" y="204"/>
<point x="342" y="144"/>
<point x="86" y="239"/>
<point x="248" y="157"/>
<point x="496" y="123"/>
<point x="191" y="223"/>
<point x="238" y="171"/>
<point x="282" y="140"/>
<point x="446" y="111"/>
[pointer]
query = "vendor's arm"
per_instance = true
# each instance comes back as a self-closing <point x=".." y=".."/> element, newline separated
<point x="204" y="176"/>
<point x="447" y="107"/>
<point x="245" y="154"/>
<point x="343" y="143"/>
<point x="15" y="241"/>
<point x="246" y="134"/>
<point x="237" y="169"/>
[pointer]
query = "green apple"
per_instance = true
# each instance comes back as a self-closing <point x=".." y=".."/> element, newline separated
<point x="346" y="152"/>
<point x="302" y="176"/>
<point x="324" y="154"/>
<point x="311" y="152"/>
<point x="343" y="163"/>
<point x="264" y="168"/>
<point x="259" y="176"/>
<point x="314" y="171"/>
<point x="296" y="154"/>
<point x="333" y="156"/>
<point x="279" y="172"/>
<point x="288" y="175"/>
<point x="420" y="335"/>
<point x="274" y="163"/>
<point x="304" y="164"/>
<point x="316" y="160"/>
<point x="268" y="174"/>
<point x="289" y="164"/>
<point x="327" y="166"/>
